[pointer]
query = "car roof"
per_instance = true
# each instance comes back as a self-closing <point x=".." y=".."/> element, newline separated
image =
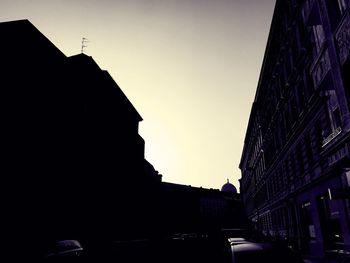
<point x="252" y="246"/>
<point x="237" y="240"/>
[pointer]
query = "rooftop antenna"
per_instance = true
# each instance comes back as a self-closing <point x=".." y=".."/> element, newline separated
<point x="83" y="44"/>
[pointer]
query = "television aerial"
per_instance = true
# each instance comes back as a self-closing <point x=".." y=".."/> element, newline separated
<point x="84" y="41"/>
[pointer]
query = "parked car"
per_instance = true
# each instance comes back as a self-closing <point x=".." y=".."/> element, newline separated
<point x="237" y="240"/>
<point x="65" y="251"/>
<point x="243" y="251"/>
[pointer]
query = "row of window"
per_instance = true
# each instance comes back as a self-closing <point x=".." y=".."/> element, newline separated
<point x="295" y="165"/>
<point x="296" y="37"/>
<point x="284" y="104"/>
<point x="274" y="221"/>
<point x="287" y="221"/>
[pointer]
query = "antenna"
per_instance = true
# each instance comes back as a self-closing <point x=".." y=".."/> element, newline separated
<point x="83" y="44"/>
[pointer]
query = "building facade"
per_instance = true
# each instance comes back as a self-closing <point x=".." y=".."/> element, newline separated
<point x="295" y="162"/>
<point x="188" y="209"/>
<point x="73" y="161"/>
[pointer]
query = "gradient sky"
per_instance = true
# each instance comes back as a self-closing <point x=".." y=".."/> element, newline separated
<point x="190" y="68"/>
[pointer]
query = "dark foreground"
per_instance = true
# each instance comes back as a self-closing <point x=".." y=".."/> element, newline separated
<point x="184" y="248"/>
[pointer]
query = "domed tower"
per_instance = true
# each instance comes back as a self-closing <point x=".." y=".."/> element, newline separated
<point x="228" y="187"/>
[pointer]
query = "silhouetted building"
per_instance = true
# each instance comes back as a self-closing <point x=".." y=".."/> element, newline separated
<point x="188" y="209"/>
<point x="72" y="160"/>
<point x="295" y="162"/>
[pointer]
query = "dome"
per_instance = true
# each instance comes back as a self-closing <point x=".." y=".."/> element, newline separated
<point x="228" y="187"/>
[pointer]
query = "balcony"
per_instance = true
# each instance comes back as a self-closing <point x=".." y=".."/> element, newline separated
<point x="333" y="135"/>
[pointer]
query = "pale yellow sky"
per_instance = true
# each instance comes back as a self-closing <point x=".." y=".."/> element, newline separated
<point x="190" y="67"/>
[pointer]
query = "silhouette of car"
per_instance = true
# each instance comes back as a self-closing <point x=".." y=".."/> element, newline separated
<point x="237" y="240"/>
<point x="65" y="251"/>
<point x="243" y="251"/>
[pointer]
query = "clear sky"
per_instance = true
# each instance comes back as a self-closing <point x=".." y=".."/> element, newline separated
<point x="190" y="68"/>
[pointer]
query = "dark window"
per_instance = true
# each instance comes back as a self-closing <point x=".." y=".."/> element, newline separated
<point x="334" y="12"/>
<point x="319" y="137"/>
<point x="294" y="110"/>
<point x="294" y="49"/>
<point x="309" y="83"/>
<point x="346" y="78"/>
<point x="337" y="118"/>
<point x="300" y="159"/>
<point x="301" y="29"/>
<point x="300" y="93"/>
<point x="309" y="154"/>
<point x="276" y="139"/>
<point x="282" y="80"/>
<point x="292" y="167"/>
<point x="326" y="123"/>
<point x="283" y="174"/>
<point x="288" y="64"/>
<point x="282" y="131"/>
<point x="287" y="119"/>
<point x="308" y="228"/>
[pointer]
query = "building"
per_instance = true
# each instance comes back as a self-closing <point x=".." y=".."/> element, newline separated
<point x="295" y="161"/>
<point x="73" y="162"/>
<point x="188" y="209"/>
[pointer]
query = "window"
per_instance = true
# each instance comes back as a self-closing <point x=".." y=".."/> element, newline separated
<point x="301" y="30"/>
<point x="287" y="120"/>
<point x="342" y="5"/>
<point x="295" y="47"/>
<point x="308" y="227"/>
<point x="300" y="159"/>
<point x="283" y="173"/>
<point x="335" y="10"/>
<point x="326" y="123"/>
<point x="273" y="184"/>
<point x="336" y="118"/>
<point x="318" y="139"/>
<point x="282" y="130"/>
<point x="288" y="63"/>
<point x="292" y="167"/>
<point x="309" y="154"/>
<point x="294" y="110"/>
<point x="307" y="9"/>
<point x="319" y="37"/>
<point x="346" y="78"/>
<point x="301" y="95"/>
<point x="311" y="12"/>
<point x="308" y="82"/>
<point x="348" y="177"/>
